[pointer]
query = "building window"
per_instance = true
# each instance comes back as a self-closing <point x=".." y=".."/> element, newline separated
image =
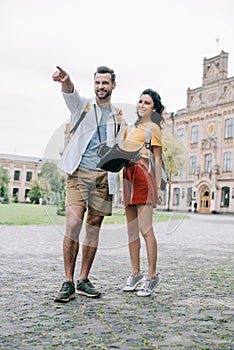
<point x="183" y="193"/>
<point x="180" y="134"/>
<point x="16" y="175"/>
<point x="189" y="196"/>
<point x="225" y="197"/>
<point x="227" y="161"/>
<point x="192" y="164"/>
<point x="195" y="134"/>
<point x="229" y="127"/>
<point x="28" y="176"/>
<point x="15" y="192"/>
<point x="26" y="195"/>
<point x="208" y="163"/>
<point x="176" y="196"/>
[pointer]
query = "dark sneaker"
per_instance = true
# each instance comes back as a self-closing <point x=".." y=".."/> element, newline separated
<point x="66" y="293"/>
<point x="148" y="286"/>
<point x="132" y="282"/>
<point x="86" y="288"/>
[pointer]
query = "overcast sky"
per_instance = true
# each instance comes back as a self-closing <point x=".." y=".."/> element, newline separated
<point x="157" y="44"/>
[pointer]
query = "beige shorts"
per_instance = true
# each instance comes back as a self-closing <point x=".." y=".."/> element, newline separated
<point x="89" y="189"/>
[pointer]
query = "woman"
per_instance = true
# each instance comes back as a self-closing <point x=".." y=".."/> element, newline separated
<point x="141" y="190"/>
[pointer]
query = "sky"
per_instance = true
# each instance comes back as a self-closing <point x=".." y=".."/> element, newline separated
<point x="151" y="43"/>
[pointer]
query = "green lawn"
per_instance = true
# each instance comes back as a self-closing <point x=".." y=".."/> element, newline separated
<point x="29" y="214"/>
<point x="32" y="214"/>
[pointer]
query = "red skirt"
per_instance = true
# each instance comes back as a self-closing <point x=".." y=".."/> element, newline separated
<point x="139" y="185"/>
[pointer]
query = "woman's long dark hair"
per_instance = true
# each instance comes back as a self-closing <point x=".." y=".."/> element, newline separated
<point x="156" y="116"/>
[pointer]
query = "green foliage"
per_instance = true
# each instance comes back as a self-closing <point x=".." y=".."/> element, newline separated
<point x="16" y="199"/>
<point x="4" y="181"/>
<point x="175" y="158"/>
<point x="49" y="172"/>
<point x="29" y="214"/>
<point x="45" y="189"/>
<point x="51" y="175"/>
<point x="6" y="199"/>
<point x="40" y="189"/>
<point x="61" y="202"/>
<point x="175" y="153"/>
<point x="35" y="192"/>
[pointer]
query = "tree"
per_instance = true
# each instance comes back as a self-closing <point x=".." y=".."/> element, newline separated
<point x="40" y="189"/>
<point x="61" y="202"/>
<point x="4" y="181"/>
<point x="175" y="158"/>
<point x="35" y="192"/>
<point x="51" y="174"/>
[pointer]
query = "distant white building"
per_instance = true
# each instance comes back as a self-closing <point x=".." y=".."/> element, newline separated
<point x="206" y="127"/>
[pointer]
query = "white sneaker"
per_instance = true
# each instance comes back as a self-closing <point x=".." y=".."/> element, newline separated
<point x="132" y="282"/>
<point x="148" y="286"/>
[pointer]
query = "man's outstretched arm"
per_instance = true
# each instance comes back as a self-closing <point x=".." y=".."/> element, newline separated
<point x="62" y="77"/>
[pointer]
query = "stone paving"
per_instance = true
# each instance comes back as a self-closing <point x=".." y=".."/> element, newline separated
<point x="192" y="308"/>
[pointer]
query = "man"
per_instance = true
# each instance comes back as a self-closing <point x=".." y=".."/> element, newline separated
<point x="86" y="186"/>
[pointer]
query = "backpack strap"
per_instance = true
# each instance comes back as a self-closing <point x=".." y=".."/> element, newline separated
<point x="127" y="129"/>
<point x="165" y="178"/>
<point x="85" y="111"/>
<point x="148" y="135"/>
<point x="119" y="118"/>
<point x="83" y="114"/>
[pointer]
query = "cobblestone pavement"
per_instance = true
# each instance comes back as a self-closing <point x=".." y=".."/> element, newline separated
<point x="192" y="308"/>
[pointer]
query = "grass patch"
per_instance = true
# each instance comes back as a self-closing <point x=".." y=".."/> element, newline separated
<point x="33" y="214"/>
<point x="29" y="214"/>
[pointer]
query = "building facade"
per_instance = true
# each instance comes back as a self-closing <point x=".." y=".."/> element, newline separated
<point x="206" y="127"/>
<point x="21" y="171"/>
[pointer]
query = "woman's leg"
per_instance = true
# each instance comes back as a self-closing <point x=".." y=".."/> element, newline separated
<point x="145" y="221"/>
<point x="133" y="238"/>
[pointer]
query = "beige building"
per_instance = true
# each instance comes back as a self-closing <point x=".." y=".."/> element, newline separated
<point x="206" y="127"/>
<point x="21" y="170"/>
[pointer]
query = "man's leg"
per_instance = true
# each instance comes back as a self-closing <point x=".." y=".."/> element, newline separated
<point x="74" y="217"/>
<point x="93" y="225"/>
<point x="99" y="205"/>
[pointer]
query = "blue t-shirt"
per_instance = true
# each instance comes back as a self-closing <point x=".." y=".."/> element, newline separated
<point x="90" y="158"/>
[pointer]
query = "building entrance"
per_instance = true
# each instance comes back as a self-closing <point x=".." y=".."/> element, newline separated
<point x="204" y="200"/>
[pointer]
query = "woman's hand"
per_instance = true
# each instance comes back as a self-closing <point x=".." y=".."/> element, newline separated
<point x="159" y="195"/>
